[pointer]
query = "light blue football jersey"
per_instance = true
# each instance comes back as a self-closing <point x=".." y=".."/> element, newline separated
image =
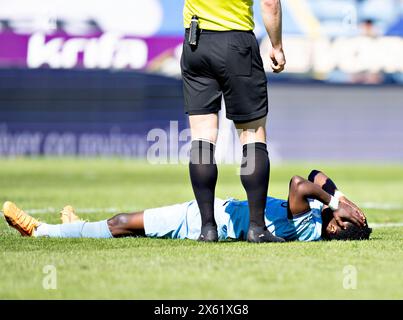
<point x="303" y="227"/>
<point x="183" y="221"/>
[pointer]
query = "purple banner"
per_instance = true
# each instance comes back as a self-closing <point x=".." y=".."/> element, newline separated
<point x="97" y="51"/>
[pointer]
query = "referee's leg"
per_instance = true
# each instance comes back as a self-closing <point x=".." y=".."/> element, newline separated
<point x="255" y="175"/>
<point x="203" y="170"/>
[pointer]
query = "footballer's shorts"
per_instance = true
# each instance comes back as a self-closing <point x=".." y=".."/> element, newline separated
<point x="181" y="221"/>
<point x="224" y="63"/>
<point x="168" y="222"/>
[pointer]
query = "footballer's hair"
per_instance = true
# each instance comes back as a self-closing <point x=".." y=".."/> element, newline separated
<point x="352" y="232"/>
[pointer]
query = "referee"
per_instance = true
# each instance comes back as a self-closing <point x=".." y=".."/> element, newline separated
<point x="221" y="58"/>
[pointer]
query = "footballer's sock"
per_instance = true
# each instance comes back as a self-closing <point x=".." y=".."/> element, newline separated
<point x="203" y="175"/>
<point x="79" y="229"/>
<point x="255" y="174"/>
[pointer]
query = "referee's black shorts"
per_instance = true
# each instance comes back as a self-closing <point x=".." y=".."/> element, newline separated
<point x="225" y="63"/>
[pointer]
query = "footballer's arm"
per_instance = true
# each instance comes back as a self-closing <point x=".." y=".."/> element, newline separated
<point x="327" y="184"/>
<point x="301" y="190"/>
<point x="322" y="180"/>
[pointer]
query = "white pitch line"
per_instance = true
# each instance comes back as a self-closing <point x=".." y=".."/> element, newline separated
<point x="365" y="205"/>
<point x="381" y="206"/>
<point x="386" y="225"/>
<point x="77" y="210"/>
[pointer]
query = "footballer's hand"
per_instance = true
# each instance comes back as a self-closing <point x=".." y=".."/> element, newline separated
<point x="352" y="204"/>
<point x="277" y="60"/>
<point x="347" y="213"/>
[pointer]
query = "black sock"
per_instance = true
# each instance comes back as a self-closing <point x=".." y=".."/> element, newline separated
<point x="255" y="174"/>
<point x="203" y="175"/>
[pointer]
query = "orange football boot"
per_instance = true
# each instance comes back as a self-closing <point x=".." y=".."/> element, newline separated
<point x="67" y="215"/>
<point x="19" y="220"/>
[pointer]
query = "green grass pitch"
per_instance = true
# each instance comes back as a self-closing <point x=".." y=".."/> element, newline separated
<point x="136" y="268"/>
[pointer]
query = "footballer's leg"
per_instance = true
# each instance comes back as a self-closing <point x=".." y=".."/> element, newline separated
<point x="117" y="226"/>
<point x="127" y="224"/>
<point x="121" y="225"/>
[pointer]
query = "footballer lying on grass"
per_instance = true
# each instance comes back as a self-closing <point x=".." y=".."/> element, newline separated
<point x="315" y="210"/>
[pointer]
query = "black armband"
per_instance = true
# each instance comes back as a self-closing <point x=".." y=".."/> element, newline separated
<point x="312" y="175"/>
<point x="329" y="187"/>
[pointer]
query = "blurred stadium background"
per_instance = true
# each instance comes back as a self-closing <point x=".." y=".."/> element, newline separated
<point x="92" y="78"/>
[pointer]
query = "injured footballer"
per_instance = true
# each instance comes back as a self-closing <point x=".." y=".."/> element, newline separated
<point x="315" y="210"/>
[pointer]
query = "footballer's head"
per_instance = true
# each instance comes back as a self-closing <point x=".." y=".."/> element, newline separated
<point x="332" y="231"/>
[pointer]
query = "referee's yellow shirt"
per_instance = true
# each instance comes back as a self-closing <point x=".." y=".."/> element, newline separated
<point x="220" y="15"/>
